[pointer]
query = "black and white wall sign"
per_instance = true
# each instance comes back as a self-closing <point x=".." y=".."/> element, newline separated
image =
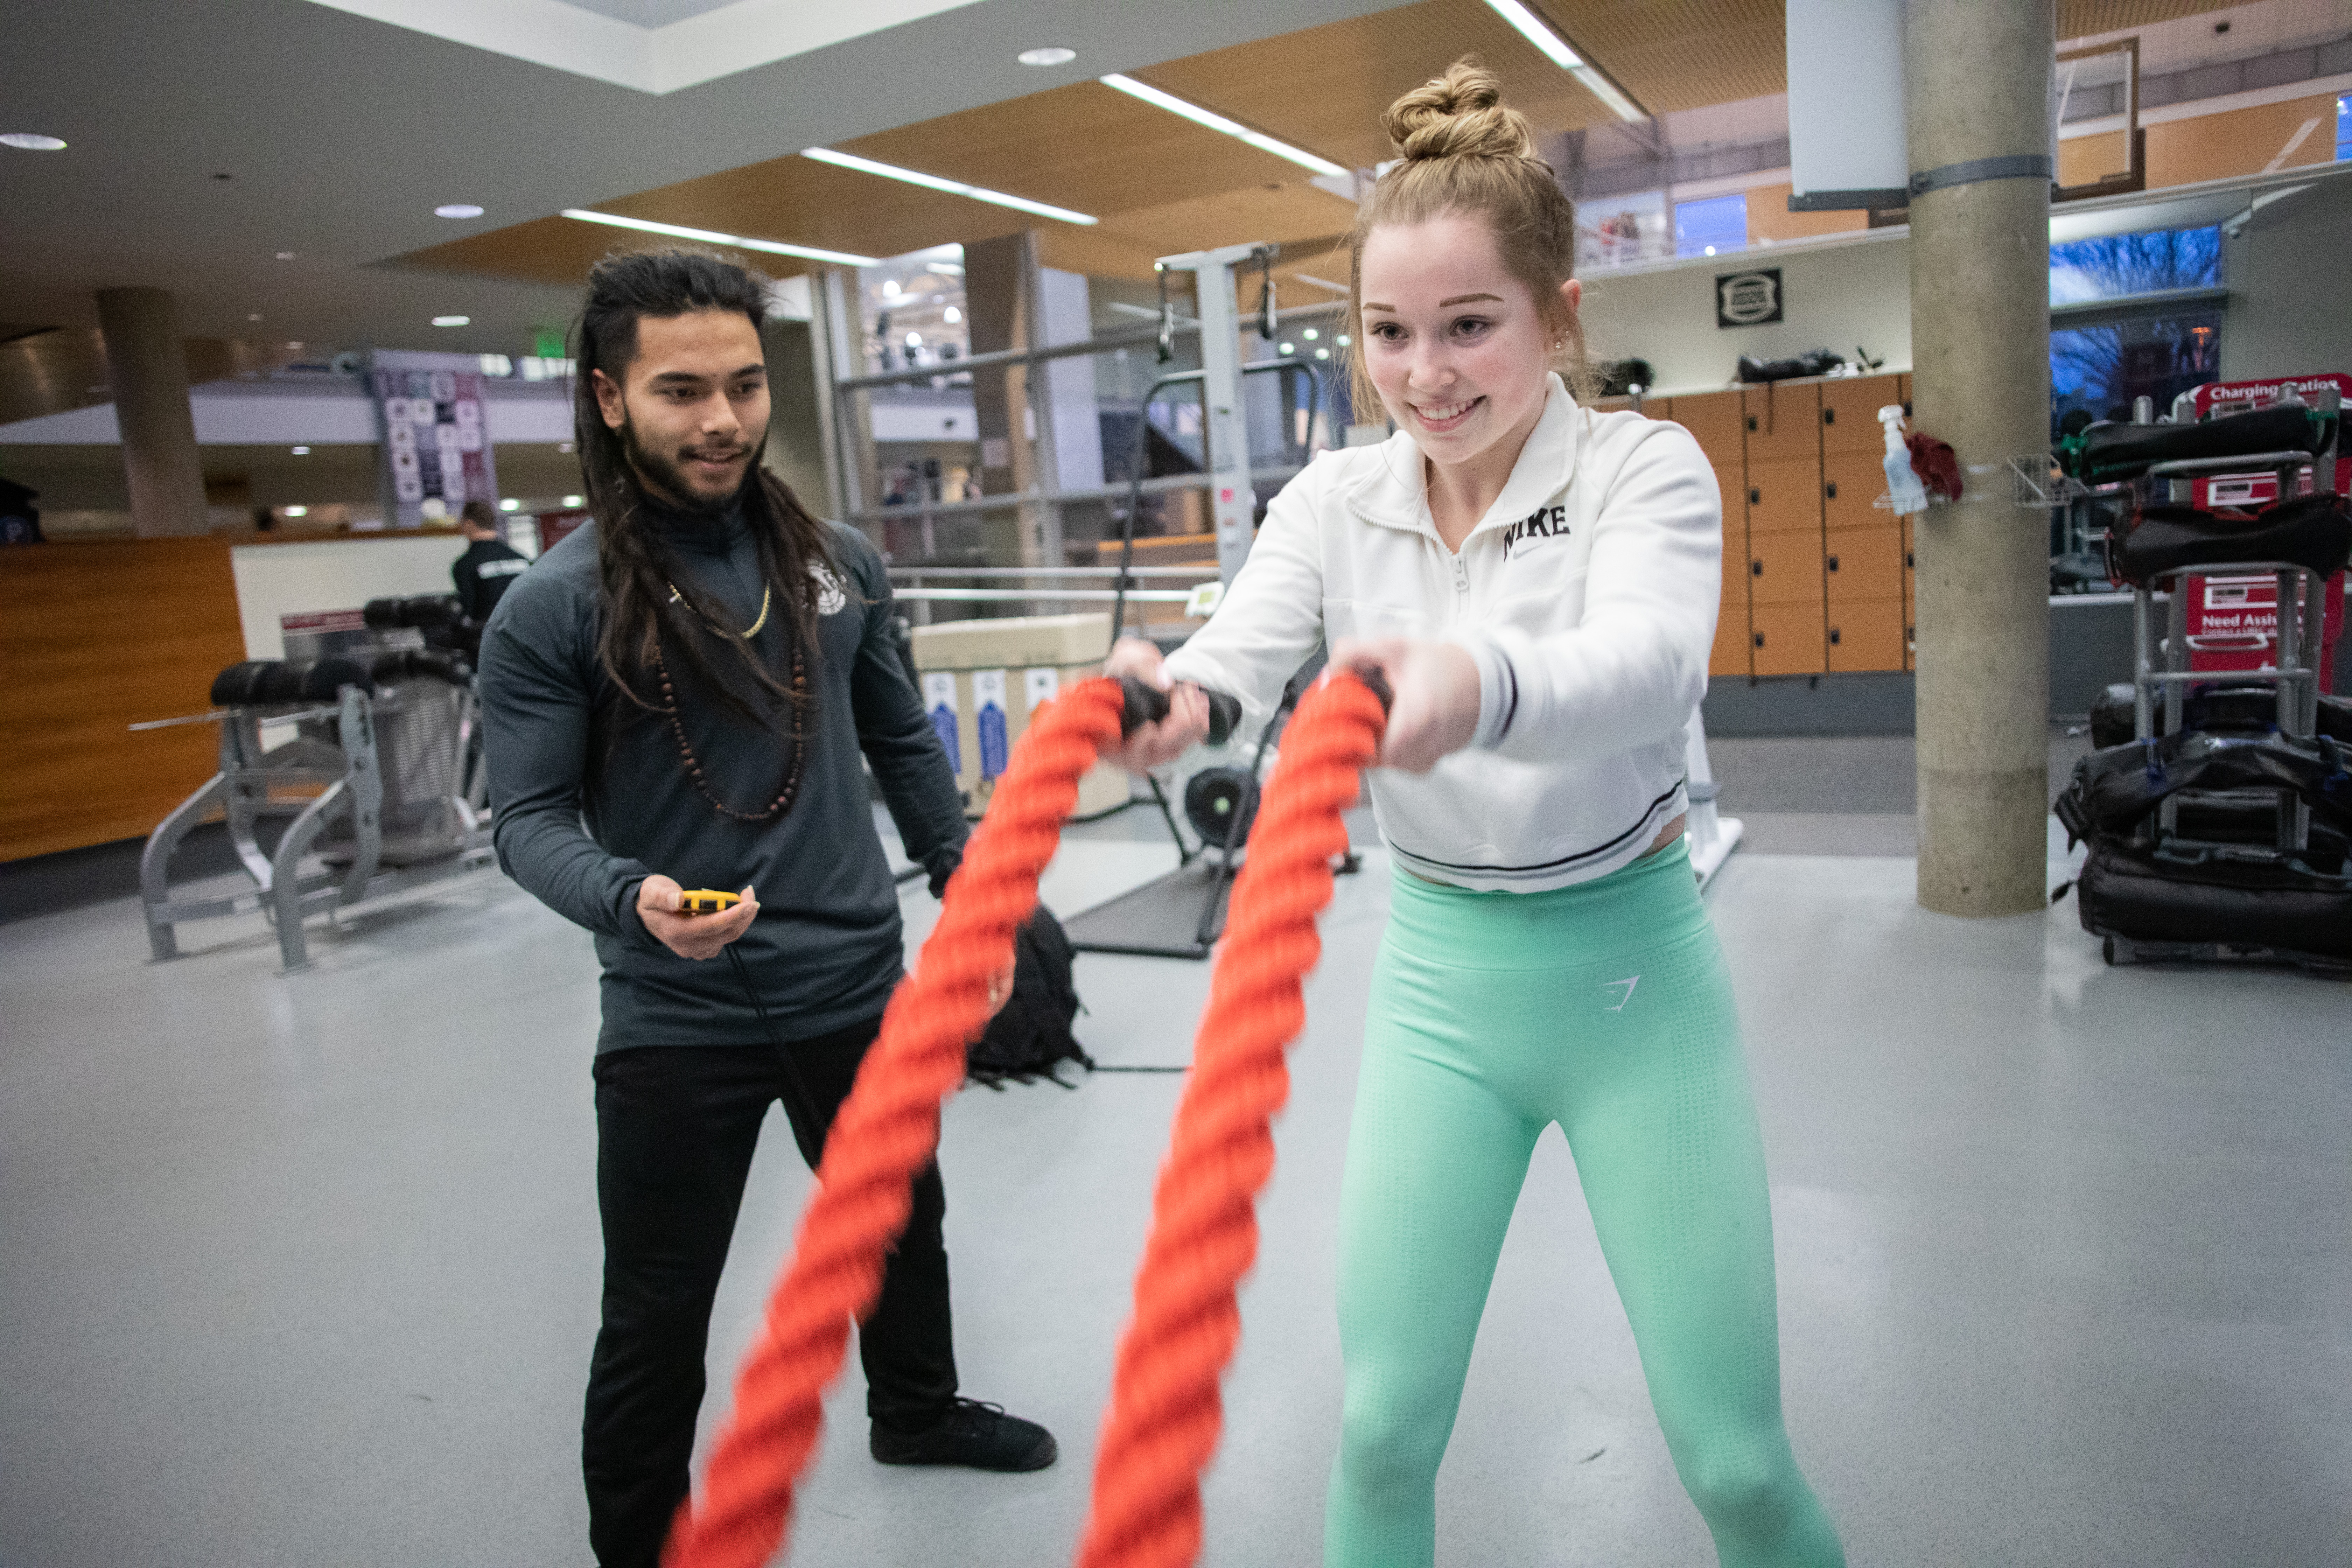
<point x="1748" y="299"/>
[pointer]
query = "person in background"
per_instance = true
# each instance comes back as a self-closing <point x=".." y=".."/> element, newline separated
<point x="490" y="565"/>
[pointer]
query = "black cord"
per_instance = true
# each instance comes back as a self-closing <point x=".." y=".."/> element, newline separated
<point x="1101" y="1067"/>
<point x="796" y="1088"/>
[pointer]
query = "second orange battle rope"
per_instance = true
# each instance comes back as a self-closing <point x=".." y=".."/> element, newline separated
<point x="1165" y="1409"/>
<point x="886" y="1132"/>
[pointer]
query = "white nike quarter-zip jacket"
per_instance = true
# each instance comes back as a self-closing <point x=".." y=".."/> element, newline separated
<point x="1587" y="596"/>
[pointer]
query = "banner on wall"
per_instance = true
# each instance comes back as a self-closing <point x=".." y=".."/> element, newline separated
<point x="432" y="450"/>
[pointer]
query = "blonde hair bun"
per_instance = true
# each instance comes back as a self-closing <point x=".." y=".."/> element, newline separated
<point x="1458" y="115"/>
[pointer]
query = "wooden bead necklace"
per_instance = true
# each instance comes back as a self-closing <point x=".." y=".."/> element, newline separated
<point x="693" y="765"/>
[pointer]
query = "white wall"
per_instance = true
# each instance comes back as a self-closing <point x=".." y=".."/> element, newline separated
<point x="2287" y="315"/>
<point x="273" y="579"/>
<point x="1854" y="291"/>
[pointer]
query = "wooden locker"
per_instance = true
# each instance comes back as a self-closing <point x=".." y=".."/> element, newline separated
<point x="1783" y="420"/>
<point x="1866" y="634"/>
<point x="1730" y="654"/>
<point x="1787" y="640"/>
<point x="1712" y="420"/>
<point x="1910" y="599"/>
<point x="1784" y="495"/>
<point x="1852" y="483"/>
<point x="1863" y="562"/>
<point x="1784" y="569"/>
<point x="1849" y="413"/>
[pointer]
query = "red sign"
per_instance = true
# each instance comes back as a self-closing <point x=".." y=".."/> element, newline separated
<point x="554" y="525"/>
<point x="2237" y="396"/>
<point x="323" y="621"/>
<point x="2233" y="624"/>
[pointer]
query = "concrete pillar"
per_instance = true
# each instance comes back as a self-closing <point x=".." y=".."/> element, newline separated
<point x="147" y="369"/>
<point x="1977" y="81"/>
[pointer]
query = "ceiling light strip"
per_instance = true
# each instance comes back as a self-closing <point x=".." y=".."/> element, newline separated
<point x="1554" y="49"/>
<point x="712" y="237"/>
<point x="934" y="182"/>
<point x="1218" y="122"/>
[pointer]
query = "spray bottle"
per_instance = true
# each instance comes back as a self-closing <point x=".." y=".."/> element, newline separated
<point x="1902" y="484"/>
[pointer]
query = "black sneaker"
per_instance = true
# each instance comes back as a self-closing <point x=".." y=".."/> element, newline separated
<point x="970" y="1432"/>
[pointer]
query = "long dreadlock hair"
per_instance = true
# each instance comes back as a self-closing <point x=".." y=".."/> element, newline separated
<point x="638" y="602"/>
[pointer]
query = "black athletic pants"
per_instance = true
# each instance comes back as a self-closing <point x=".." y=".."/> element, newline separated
<point x="675" y="1126"/>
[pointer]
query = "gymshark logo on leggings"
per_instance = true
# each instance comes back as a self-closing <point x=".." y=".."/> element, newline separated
<point x="1628" y="984"/>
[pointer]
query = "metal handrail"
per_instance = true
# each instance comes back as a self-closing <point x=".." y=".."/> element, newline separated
<point x="1125" y="338"/>
<point x="1021" y="595"/>
<point x="1189" y="573"/>
<point x="1159" y="486"/>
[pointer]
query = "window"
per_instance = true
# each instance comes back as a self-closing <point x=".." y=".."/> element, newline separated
<point x="2118" y="265"/>
<point x="1712" y="225"/>
<point x="2343" y="127"/>
<point x="2100" y="369"/>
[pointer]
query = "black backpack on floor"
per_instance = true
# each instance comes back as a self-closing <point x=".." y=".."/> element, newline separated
<point x="1030" y="1036"/>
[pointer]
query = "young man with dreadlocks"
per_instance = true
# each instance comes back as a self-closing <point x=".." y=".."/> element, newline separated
<point x="676" y="697"/>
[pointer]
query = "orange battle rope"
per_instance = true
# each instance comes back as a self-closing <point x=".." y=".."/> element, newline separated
<point x="1165" y="1410"/>
<point x="887" y="1130"/>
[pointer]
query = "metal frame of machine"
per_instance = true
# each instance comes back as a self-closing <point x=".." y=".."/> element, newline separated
<point x="336" y="752"/>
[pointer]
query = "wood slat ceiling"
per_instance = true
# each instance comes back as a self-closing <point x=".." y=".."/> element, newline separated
<point x="1325" y="87"/>
<point x="2081" y="18"/>
<point x="1160" y="182"/>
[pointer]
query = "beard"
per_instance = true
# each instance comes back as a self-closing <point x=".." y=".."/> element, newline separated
<point x="664" y="475"/>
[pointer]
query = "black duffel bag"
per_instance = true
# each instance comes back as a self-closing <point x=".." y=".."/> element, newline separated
<point x="2244" y="897"/>
<point x="2311" y="531"/>
<point x="2248" y="896"/>
<point x="2110" y="450"/>
<point x="2227" y="707"/>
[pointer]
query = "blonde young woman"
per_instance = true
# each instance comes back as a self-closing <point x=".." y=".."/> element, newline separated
<point x="1539" y="583"/>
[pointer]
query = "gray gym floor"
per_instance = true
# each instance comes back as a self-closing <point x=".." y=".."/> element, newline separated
<point x="303" y="1270"/>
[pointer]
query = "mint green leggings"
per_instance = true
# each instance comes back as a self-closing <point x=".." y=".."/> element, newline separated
<point x="1605" y="1007"/>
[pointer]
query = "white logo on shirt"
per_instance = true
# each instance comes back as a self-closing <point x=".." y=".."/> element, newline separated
<point x="830" y="597"/>
<point x="1628" y="983"/>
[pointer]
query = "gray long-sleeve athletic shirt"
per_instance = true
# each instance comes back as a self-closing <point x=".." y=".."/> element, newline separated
<point x="591" y="795"/>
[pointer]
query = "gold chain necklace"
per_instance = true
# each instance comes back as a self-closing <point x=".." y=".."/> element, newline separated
<point x="748" y="633"/>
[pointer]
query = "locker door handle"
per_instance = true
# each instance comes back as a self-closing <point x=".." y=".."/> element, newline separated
<point x="1756" y="568"/>
<point x="1759" y="639"/>
<point x="1832" y="490"/>
<point x="1832" y="563"/>
<point x="1751" y="422"/>
<point x="1829" y="416"/>
<point x="1834" y="637"/>
<point x="1754" y="494"/>
<point x="1908" y="562"/>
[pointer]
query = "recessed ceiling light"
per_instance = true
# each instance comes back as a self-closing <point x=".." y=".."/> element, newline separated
<point x="1052" y="54"/>
<point x="254" y="316"/>
<point x="452" y="320"/>
<point x="510" y="504"/>
<point x="952" y="315"/>
<point x="457" y="209"/>
<point x="302" y="451"/>
<point x="1554" y="48"/>
<point x="33" y="142"/>
<point x="575" y="500"/>
<point x="297" y="511"/>
<point x="711" y="236"/>
<point x="1215" y="121"/>
<point x="287" y="255"/>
